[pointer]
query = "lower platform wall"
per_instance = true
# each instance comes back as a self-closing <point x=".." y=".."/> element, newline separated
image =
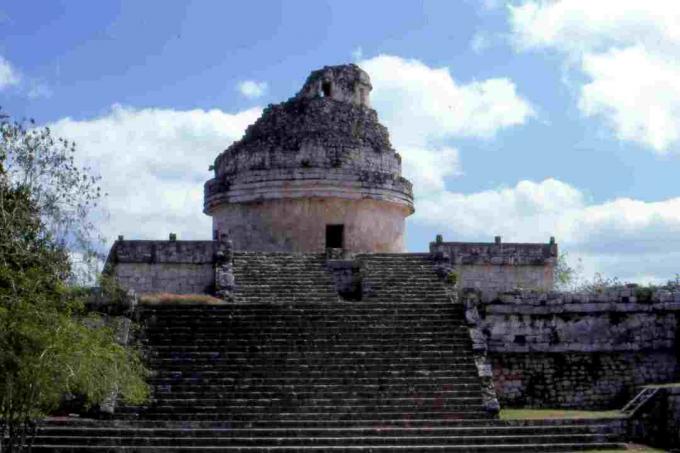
<point x="587" y="381"/>
<point x="586" y="351"/>
<point x="658" y="422"/>
<point x="173" y="278"/>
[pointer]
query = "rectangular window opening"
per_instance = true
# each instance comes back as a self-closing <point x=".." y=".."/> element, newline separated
<point x="335" y="235"/>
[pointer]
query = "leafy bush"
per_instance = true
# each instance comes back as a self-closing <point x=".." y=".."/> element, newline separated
<point x="49" y="345"/>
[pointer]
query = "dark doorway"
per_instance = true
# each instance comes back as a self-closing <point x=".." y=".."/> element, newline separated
<point x="326" y="88"/>
<point x="335" y="235"/>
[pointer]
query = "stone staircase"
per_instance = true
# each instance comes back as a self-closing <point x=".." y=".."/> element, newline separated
<point x="290" y="367"/>
<point x="282" y="278"/>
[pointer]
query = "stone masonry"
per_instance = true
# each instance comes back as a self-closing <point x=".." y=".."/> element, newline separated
<point x="318" y="159"/>
<point x="579" y="350"/>
<point x="499" y="266"/>
<point x="181" y="267"/>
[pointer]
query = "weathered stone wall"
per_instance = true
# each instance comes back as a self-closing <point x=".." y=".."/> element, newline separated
<point x="593" y="380"/>
<point x="497" y="266"/>
<point x="657" y="422"/>
<point x="181" y="267"/>
<point x="323" y="149"/>
<point x="299" y="225"/>
<point x="580" y="350"/>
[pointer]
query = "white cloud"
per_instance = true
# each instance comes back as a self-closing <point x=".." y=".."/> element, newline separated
<point x="153" y="164"/>
<point x="637" y="92"/>
<point x="623" y="237"/>
<point x="423" y="107"/>
<point x="427" y="167"/>
<point x="252" y="89"/>
<point x="630" y="52"/>
<point x="357" y="54"/>
<point x="39" y="90"/>
<point x="480" y="42"/>
<point x="8" y="75"/>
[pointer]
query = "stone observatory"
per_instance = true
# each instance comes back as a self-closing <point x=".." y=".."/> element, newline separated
<point x="315" y="172"/>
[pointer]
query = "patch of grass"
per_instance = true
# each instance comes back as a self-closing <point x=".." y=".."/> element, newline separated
<point x="539" y="414"/>
<point x="178" y="299"/>
<point x="631" y="447"/>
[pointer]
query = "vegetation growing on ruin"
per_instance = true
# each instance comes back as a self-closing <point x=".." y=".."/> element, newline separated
<point x="571" y="278"/>
<point x="542" y="414"/>
<point x="49" y="345"/>
<point x="178" y="299"/>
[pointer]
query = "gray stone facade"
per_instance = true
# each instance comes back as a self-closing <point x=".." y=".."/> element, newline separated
<point x="180" y="267"/>
<point x="579" y="350"/>
<point x="498" y="266"/>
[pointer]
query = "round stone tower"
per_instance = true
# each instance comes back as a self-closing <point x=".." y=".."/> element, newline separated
<point x="315" y="172"/>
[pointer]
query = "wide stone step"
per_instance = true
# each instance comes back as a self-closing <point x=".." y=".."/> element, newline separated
<point x="617" y="424"/>
<point x="220" y="394"/>
<point x="314" y="400"/>
<point x="336" y="307"/>
<point x="406" y="388"/>
<point x="214" y="351"/>
<point x="455" y="322"/>
<point x="314" y="370"/>
<point x="247" y="441"/>
<point x="226" y="407"/>
<point x="320" y="370"/>
<point x="450" y="376"/>
<point x="324" y="331"/>
<point x="234" y="359"/>
<point x="415" y="351"/>
<point x="286" y="334"/>
<point x="569" y="447"/>
<point x="306" y="359"/>
<point x="481" y="430"/>
<point x="356" y="315"/>
<point x="334" y="414"/>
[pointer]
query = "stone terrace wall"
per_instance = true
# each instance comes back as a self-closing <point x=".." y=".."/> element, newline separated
<point x="579" y="350"/>
<point x="657" y="422"/>
<point x="497" y="266"/>
<point x="181" y="267"/>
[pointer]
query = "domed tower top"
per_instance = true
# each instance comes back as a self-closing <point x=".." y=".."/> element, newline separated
<point x="320" y="160"/>
<point x="344" y="83"/>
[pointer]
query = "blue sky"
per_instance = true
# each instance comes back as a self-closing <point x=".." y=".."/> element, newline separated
<point x="523" y="119"/>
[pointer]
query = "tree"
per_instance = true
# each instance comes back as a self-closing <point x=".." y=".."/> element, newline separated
<point x="49" y="345"/>
<point x="564" y="275"/>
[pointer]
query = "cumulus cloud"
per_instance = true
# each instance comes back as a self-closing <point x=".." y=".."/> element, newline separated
<point x="480" y="42"/>
<point x="424" y="107"/>
<point x="153" y="164"/>
<point x="8" y="75"/>
<point x="423" y="103"/>
<point x="252" y="89"/>
<point x="629" y="52"/>
<point x="628" y="238"/>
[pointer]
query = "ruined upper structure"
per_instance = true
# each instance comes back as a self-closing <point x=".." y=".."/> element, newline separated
<point x="315" y="172"/>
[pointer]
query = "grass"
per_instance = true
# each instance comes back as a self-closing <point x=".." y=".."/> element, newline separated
<point x="178" y="299"/>
<point x="631" y="447"/>
<point x="539" y="414"/>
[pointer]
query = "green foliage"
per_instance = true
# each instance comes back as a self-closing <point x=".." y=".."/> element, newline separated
<point x="49" y="345"/>
<point x="599" y="284"/>
<point x="564" y="275"/>
<point x="452" y="278"/>
<point x="644" y="293"/>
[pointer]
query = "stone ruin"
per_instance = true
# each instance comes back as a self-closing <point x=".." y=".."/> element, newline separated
<point x="328" y="335"/>
<point x="315" y="172"/>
